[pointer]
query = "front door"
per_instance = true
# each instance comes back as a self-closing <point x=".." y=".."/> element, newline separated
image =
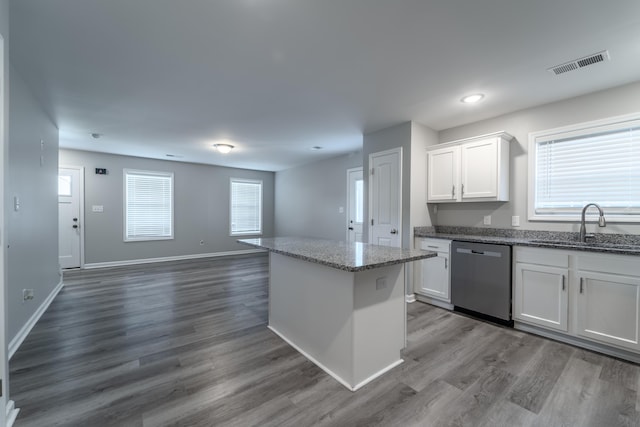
<point x="69" y="233"/>
<point x="355" y="204"/>
<point x="385" y="198"/>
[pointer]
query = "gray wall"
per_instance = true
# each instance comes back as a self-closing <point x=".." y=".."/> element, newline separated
<point x="308" y="198"/>
<point x="32" y="254"/>
<point x="4" y="118"/>
<point x="201" y="207"/>
<point x="598" y="105"/>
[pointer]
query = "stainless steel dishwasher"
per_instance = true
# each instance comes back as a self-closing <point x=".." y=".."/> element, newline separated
<point x="481" y="279"/>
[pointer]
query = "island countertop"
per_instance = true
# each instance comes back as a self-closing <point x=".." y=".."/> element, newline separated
<point x="347" y="256"/>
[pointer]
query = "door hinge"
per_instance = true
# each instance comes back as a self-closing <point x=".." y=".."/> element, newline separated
<point x="371" y="221"/>
<point x="371" y="171"/>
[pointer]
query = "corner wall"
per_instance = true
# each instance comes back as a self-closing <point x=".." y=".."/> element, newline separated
<point x="32" y="228"/>
<point x="599" y="105"/>
<point x="201" y="207"/>
<point x="308" y="198"/>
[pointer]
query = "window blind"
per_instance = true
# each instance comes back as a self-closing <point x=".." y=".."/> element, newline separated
<point x="148" y="205"/>
<point x="246" y="207"/>
<point x="596" y="166"/>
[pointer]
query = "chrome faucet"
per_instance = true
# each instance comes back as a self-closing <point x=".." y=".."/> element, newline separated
<point x="583" y="229"/>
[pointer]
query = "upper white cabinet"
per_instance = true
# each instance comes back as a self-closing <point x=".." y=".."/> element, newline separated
<point x="469" y="170"/>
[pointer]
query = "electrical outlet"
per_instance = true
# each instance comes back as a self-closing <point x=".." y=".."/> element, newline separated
<point x="27" y="294"/>
<point x="515" y="221"/>
<point x="487" y="220"/>
<point x="381" y="283"/>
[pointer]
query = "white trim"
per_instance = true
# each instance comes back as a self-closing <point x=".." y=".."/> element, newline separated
<point x="568" y="339"/>
<point x="22" y="334"/>
<point x="81" y="202"/>
<point x="432" y="301"/>
<point x="11" y="413"/>
<point x="577" y="128"/>
<point x="93" y="265"/>
<point x="410" y="298"/>
<point x="399" y="151"/>
<point x="330" y="372"/>
<point x="348" y="203"/>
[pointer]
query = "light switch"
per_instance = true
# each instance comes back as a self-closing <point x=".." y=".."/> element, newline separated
<point x="97" y="208"/>
<point x="341" y="209"/>
<point x="381" y="283"/>
<point x="487" y="220"/>
<point x="515" y="221"/>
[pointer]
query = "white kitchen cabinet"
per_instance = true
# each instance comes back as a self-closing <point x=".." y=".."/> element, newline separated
<point x="443" y="182"/>
<point x="540" y="288"/>
<point x="608" y="300"/>
<point x="435" y="280"/>
<point x="540" y="295"/>
<point x="469" y="170"/>
<point x="587" y="295"/>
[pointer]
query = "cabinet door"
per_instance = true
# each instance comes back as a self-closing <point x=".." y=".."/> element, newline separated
<point x="609" y="308"/>
<point x="442" y="174"/>
<point x="435" y="277"/>
<point x="540" y="295"/>
<point x="479" y="169"/>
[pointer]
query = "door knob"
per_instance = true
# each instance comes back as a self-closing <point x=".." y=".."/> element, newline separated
<point x="394" y="231"/>
<point x="351" y="228"/>
<point x="75" y="219"/>
<point x="75" y="225"/>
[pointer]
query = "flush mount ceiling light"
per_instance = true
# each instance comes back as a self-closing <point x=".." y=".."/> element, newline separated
<point x="472" y="99"/>
<point x="223" y="148"/>
<point x="96" y="135"/>
<point x="316" y="148"/>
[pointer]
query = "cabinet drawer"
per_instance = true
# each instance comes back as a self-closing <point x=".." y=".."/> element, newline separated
<point x="437" y="245"/>
<point x="614" y="264"/>
<point x="552" y="257"/>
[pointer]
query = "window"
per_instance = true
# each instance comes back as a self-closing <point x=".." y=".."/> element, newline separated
<point x="593" y="162"/>
<point x="148" y="205"/>
<point x="246" y="207"/>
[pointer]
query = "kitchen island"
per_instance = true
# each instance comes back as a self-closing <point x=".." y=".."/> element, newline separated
<point x="340" y="304"/>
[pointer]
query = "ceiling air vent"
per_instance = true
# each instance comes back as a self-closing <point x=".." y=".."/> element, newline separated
<point x="580" y="63"/>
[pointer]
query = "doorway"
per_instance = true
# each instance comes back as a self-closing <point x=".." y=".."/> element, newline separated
<point x="385" y="198"/>
<point x="355" y="204"/>
<point x="70" y="216"/>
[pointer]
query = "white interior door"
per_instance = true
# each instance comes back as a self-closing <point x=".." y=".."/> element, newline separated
<point x="355" y="204"/>
<point x="69" y="220"/>
<point x="385" y="198"/>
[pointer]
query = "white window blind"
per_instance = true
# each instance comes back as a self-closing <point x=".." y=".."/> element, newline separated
<point x="246" y="206"/>
<point x="600" y="164"/>
<point x="148" y="205"/>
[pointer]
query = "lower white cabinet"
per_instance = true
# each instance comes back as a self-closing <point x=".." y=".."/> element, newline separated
<point x="540" y="295"/>
<point x="590" y="295"/>
<point x="609" y="308"/>
<point x="434" y="279"/>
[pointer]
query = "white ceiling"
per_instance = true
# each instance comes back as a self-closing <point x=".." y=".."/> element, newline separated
<point x="277" y="77"/>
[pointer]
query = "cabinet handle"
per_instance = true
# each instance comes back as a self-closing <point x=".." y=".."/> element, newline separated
<point x="453" y="191"/>
<point x="563" y="282"/>
<point x="581" y="284"/>
<point x="445" y="263"/>
<point x="434" y="247"/>
<point x="462" y="190"/>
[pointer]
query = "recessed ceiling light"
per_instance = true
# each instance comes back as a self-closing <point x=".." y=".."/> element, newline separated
<point x="471" y="99"/>
<point x="96" y="135"/>
<point x="316" y="148"/>
<point x="177" y="156"/>
<point x="223" y="148"/>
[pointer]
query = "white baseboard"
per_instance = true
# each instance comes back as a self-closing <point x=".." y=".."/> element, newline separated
<point x="12" y="413"/>
<point x="168" y="258"/>
<point x="409" y="298"/>
<point x="434" y="301"/>
<point x="15" y="343"/>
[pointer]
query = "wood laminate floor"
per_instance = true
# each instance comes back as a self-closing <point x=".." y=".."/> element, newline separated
<point x="186" y="344"/>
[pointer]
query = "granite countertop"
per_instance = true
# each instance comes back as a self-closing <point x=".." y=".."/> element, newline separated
<point x="347" y="256"/>
<point x="623" y="244"/>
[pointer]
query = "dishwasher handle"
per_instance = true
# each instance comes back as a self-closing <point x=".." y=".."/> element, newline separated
<point x="475" y="252"/>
